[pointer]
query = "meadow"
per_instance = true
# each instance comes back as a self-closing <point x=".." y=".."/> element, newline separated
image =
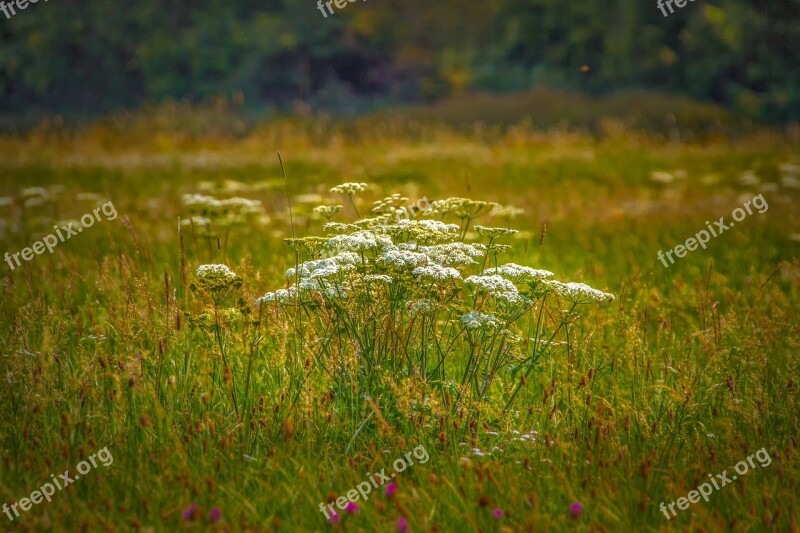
<point x="226" y="412"/>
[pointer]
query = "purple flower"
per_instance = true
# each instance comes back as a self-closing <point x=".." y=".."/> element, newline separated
<point x="215" y="515"/>
<point x="575" y="509"/>
<point x="335" y="517"/>
<point x="390" y="489"/>
<point x="497" y="513"/>
<point x="402" y="525"/>
<point x="351" y="507"/>
<point x="189" y="513"/>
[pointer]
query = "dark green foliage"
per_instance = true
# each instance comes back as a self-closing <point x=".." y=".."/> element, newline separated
<point x="92" y="57"/>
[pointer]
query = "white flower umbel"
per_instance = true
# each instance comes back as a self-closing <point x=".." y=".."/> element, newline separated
<point x="327" y="211"/>
<point x="280" y="296"/>
<point x="419" y="306"/>
<point x="242" y="206"/>
<point x="578" y="293"/>
<point x="402" y="258"/>
<point x="214" y="277"/>
<point x="497" y="287"/>
<point x="434" y="225"/>
<point x="423" y="231"/>
<point x="377" y="278"/>
<point x="339" y="228"/>
<point x="437" y="272"/>
<point x="322" y="268"/>
<point x="349" y="188"/>
<point x="360" y="241"/>
<point x="519" y="273"/>
<point x="454" y="254"/>
<point x="493" y="233"/>
<point x="476" y="320"/>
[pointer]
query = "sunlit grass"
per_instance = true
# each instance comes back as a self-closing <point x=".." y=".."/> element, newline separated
<point x="688" y="371"/>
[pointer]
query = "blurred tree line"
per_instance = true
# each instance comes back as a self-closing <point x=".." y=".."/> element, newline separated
<point x="87" y="57"/>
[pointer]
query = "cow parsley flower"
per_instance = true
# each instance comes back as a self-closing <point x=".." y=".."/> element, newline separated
<point x="578" y="293"/>
<point x="196" y="221"/>
<point x="350" y="188"/>
<point x="340" y="228"/>
<point x="461" y="207"/>
<point x="360" y="242"/>
<point x="435" y="225"/>
<point x="497" y="287"/>
<point x="454" y="254"/>
<point x="402" y="258"/>
<point x="475" y="320"/>
<point x="519" y="273"/>
<point x="241" y="206"/>
<point x="377" y="278"/>
<point x="280" y="296"/>
<point x="419" y="306"/>
<point x="437" y="272"/>
<point x="327" y="211"/>
<point x="322" y="268"/>
<point x="215" y="277"/>
<point x="334" y="291"/>
<point x="506" y="211"/>
<point x="493" y="233"/>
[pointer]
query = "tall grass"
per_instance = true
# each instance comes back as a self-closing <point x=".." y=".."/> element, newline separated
<point x="114" y="340"/>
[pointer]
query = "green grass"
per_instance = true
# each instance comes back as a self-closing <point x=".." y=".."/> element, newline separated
<point x="690" y="370"/>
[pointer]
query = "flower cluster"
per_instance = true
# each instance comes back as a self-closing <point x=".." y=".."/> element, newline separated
<point x="497" y="287"/>
<point x="420" y="282"/>
<point x="578" y="293"/>
<point x="206" y="210"/>
<point x="215" y="277"/>
<point x="519" y="273"/>
<point x="219" y="281"/>
<point x="349" y="188"/>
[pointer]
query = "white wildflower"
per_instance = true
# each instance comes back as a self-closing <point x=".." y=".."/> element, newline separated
<point x="790" y="182"/>
<point x="496" y="286"/>
<point x="475" y="320"/>
<point x="340" y="228"/>
<point x="454" y="254"/>
<point x="196" y="220"/>
<point x="419" y="306"/>
<point x="578" y="293"/>
<point x="360" y="241"/>
<point x="349" y="188"/>
<point x="327" y="211"/>
<point x="748" y="177"/>
<point x="322" y="268"/>
<point x="213" y="277"/>
<point x="437" y="272"/>
<point x="519" y="273"/>
<point x="493" y="233"/>
<point x="402" y="258"/>
<point x="377" y="278"/>
<point x="280" y="296"/>
<point x="506" y="211"/>
<point x="436" y="225"/>
<point x="662" y="177"/>
<point x="34" y="191"/>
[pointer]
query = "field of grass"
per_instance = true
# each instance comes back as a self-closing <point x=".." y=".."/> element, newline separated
<point x="109" y="342"/>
